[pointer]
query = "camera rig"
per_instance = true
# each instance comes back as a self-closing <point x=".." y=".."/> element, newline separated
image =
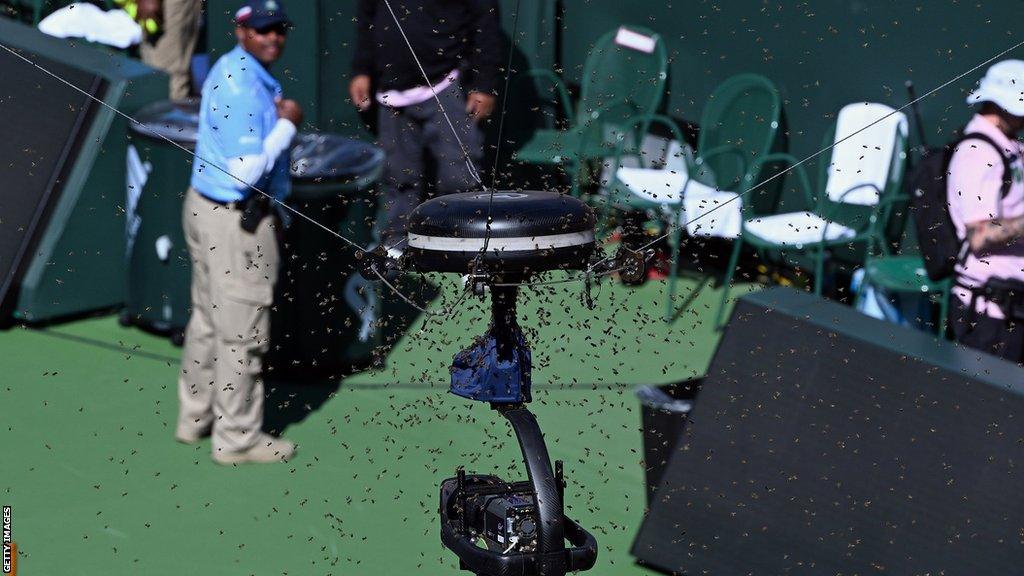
<point x="500" y="239"/>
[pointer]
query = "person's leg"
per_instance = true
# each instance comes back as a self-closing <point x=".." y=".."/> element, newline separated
<point x="1015" y="344"/>
<point x="242" y="276"/>
<point x="990" y="335"/>
<point x="173" y="50"/>
<point x="401" y="138"/>
<point x="196" y="381"/>
<point x="453" y="172"/>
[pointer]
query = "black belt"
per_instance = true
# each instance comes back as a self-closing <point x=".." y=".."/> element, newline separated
<point x="233" y="205"/>
<point x="254" y="209"/>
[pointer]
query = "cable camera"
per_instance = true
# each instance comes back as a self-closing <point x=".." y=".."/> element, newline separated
<point x="500" y="514"/>
<point x="501" y="238"/>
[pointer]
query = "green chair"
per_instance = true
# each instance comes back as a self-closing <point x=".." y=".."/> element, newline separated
<point x="901" y="272"/>
<point x="868" y="151"/>
<point x="739" y="131"/>
<point x="623" y="77"/>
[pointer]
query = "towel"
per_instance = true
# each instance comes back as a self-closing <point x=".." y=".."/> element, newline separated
<point x="82" y="20"/>
<point x="797" y="229"/>
<point x="866" y="157"/>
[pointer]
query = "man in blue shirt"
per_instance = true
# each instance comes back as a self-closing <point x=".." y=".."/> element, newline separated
<point x="242" y="159"/>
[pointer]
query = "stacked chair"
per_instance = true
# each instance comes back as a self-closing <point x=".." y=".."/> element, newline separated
<point x="716" y="190"/>
<point x="622" y="85"/>
<point x="705" y="192"/>
<point x="852" y="205"/>
<point x="902" y="272"/>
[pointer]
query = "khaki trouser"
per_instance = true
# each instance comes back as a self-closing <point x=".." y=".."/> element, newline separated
<point x="233" y="276"/>
<point x="173" y="50"/>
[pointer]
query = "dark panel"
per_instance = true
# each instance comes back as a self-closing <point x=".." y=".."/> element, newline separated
<point x="44" y="121"/>
<point x="825" y="442"/>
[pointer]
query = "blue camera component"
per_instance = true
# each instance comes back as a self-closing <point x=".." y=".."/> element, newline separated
<point x="481" y="372"/>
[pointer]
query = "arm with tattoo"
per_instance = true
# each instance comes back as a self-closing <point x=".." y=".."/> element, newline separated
<point x="989" y="235"/>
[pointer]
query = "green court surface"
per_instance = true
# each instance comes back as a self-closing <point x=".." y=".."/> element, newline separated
<point x="98" y="485"/>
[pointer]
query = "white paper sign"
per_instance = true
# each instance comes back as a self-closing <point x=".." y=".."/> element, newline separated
<point x="634" y="40"/>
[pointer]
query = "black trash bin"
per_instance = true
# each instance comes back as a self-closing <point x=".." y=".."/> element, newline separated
<point x="325" y="317"/>
<point x="159" y="269"/>
<point x="663" y="411"/>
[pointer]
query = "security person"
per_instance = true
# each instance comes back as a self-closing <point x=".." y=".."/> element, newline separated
<point x="245" y="133"/>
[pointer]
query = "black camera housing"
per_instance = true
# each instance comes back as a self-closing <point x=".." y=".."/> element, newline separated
<point x="502" y="514"/>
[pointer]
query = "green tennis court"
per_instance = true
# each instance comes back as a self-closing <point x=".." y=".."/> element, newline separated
<point x="98" y="485"/>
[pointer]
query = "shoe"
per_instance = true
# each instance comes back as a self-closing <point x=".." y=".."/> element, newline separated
<point x="266" y="449"/>
<point x="186" y="436"/>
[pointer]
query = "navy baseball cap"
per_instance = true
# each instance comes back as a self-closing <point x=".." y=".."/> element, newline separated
<point x="262" y="13"/>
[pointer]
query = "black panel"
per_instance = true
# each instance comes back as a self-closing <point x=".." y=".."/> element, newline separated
<point x="44" y="122"/>
<point x="828" y="443"/>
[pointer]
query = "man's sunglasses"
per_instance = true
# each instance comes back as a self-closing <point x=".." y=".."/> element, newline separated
<point x="281" y="29"/>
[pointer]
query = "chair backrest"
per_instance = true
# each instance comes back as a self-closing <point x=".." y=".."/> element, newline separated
<point x="868" y="153"/>
<point x="865" y="167"/>
<point x="624" y="75"/>
<point x="743" y="115"/>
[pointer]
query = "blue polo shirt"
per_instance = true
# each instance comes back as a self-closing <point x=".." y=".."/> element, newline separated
<point x="236" y="115"/>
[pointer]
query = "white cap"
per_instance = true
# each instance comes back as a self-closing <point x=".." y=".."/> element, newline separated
<point x="1003" y="85"/>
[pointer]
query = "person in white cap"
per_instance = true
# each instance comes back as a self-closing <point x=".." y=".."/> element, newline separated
<point x="986" y="204"/>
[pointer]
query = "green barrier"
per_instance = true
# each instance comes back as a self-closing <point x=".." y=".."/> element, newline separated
<point x="78" y="263"/>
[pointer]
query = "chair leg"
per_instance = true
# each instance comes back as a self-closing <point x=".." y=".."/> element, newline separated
<point x="677" y="234"/>
<point x="578" y="172"/>
<point x="729" y="272"/>
<point x="859" y="294"/>
<point x="604" y="221"/>
<point x="819" y="272"/>
<point x="943" y="312"/>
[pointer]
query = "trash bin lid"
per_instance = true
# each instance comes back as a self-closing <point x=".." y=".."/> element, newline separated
<point x="332" y="158"/>
<point x="176" y="121"/>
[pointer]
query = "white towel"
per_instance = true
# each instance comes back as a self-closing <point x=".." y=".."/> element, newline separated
<point x="659" y="186"/>
<point x="866" y="157"/>
<point x="797" y="229"/>
<point x="83" y="20"/>
<point x="701" y="214"/>
<point x="713" y="213"/>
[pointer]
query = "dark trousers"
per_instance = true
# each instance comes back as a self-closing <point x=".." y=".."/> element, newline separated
<point x="1001" y="338"/>
<point x="407" y="136"/>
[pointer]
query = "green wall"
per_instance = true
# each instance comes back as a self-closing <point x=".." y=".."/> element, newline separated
<point x="821" y="53"/>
